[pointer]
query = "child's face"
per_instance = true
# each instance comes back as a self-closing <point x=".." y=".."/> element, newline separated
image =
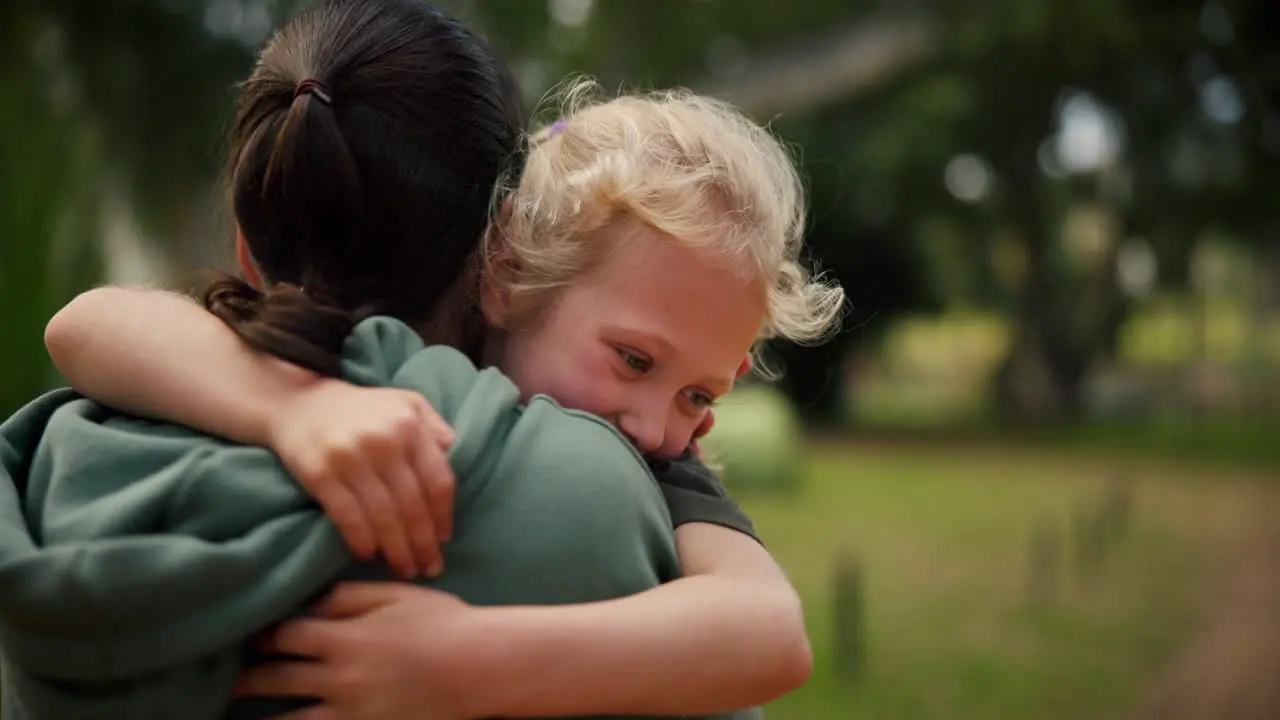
<point x="648" y="341"/>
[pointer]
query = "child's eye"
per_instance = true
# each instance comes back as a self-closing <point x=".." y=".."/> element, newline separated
<point x="634" y="360"/>
<point x="701" y="399"/>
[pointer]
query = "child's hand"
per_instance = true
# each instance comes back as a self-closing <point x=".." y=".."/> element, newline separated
<point x="700" y="432"/>
<point x="709" y="421"/>
<point x="374" y="458"/>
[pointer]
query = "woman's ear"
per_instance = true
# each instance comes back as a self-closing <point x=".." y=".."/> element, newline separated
<point x="245" y="260"/>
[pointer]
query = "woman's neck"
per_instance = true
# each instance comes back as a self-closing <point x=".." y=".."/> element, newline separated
<point x="457" y="322"/>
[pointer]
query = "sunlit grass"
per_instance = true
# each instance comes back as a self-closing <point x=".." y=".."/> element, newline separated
<point x="942" y="537"/>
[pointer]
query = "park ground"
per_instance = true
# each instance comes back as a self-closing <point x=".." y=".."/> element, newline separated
<point x="1230" y="669"/>
<point x="978" y="601"/>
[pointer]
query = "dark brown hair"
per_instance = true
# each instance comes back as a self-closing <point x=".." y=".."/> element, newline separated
<point x="371" y="195"/>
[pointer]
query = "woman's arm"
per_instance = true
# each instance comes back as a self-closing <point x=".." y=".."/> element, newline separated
<point x="157" y="354"/>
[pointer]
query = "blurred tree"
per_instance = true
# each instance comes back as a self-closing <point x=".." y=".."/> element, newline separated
<point x="933" y="134"/>
<point x="946" y="166"/>
<point x="102" y="103"/>
<point x="1046" y="134"/>
<point x="45" y="206"/>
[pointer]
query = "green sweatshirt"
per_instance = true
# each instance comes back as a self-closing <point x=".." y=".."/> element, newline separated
<point x="137" y="557"/>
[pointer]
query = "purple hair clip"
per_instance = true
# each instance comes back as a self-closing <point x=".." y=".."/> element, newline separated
<point x="558" y="127"/>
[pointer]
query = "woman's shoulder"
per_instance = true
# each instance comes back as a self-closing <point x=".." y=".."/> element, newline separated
<point x="581" y="457"/>
<point x="583" y="436"/>
<point x="380" y="348"/>
<point x="585" y="460"/>
<point x="385" y="352"/>
<point x="581" y="493"/>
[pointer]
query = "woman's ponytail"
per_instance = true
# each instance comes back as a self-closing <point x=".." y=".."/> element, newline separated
<point x="365" y="148"/>
<point x="285" y="321"/>
<point x="311" y="182"/>
<point x="295" y="184"/>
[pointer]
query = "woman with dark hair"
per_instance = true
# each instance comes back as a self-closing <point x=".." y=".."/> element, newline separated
<point x="138" y="557"/>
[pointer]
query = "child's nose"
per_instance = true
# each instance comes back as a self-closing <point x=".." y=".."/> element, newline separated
<point x="646" y="434"/>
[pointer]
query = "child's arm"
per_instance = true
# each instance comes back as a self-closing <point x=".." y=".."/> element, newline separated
<point x="157" y="354"/>
<point x="728" y="635"/>
<point x="733" y="622"/>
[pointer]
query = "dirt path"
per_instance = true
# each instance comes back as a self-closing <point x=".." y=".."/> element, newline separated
<point x="1231" y="669"/>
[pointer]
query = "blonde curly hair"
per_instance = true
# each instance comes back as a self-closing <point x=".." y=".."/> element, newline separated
<point x="692" y="167"/>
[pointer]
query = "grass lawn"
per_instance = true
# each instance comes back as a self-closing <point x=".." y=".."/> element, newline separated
<point x="943" y="536"/>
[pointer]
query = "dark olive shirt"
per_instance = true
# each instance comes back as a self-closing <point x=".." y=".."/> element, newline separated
<point x="695" y="494"/>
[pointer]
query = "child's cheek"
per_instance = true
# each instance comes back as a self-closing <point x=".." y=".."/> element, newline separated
<point x="594" y="386"/>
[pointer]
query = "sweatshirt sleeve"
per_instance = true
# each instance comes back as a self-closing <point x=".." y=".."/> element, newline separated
<point x="695" y="494"/>
<point x="147" y="556"/>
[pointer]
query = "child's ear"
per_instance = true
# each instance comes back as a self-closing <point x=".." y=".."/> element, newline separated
<point x="498" y="273"/>
<point x="495" y="297"/>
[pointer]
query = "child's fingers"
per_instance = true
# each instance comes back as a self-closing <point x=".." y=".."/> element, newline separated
<point x="415" y="516"/>
<point x="346" y="512"/>
<point x="430" y="463"/>
<point x="380" y="511"/>
<point x="445" y="434"/>
<point x="433" y="472"/>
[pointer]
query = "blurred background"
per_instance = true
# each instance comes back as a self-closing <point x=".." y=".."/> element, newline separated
<point x="1033" y="477"/>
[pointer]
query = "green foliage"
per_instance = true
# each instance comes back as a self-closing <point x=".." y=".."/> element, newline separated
<point x="49" y="206"/>
<point x="655" y="43"/>
<point x="994" y="89"/>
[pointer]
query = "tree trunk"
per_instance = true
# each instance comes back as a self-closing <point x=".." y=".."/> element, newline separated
<point x="1039" y="379"/>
